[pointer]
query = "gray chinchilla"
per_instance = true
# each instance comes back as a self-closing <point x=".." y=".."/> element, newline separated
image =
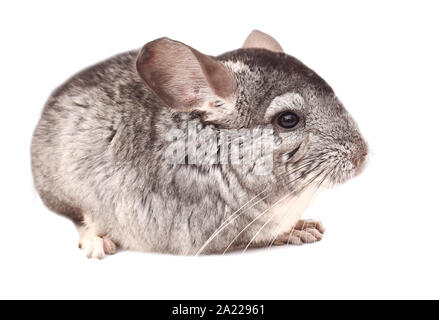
<point x="118" y="146"/>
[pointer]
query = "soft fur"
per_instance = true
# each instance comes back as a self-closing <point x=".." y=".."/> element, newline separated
<point x="98" y="150"/>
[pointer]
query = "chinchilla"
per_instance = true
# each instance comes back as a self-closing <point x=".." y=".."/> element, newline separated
<point x="118" y="149"/>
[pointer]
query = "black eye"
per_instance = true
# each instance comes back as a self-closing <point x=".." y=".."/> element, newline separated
<point x="287" y="120"/>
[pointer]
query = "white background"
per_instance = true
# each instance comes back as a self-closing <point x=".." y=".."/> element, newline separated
<point x="381" y="58"/>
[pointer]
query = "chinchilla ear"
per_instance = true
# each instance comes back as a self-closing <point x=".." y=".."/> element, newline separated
<point x="182" y="77"/>
<point x="259" y="39"/>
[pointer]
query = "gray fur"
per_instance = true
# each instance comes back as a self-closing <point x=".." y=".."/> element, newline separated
<point x="98" y="154"/>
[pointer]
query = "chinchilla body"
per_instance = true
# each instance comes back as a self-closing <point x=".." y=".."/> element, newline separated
<point x="100" y="150"/>
<point x="98" y="155"/>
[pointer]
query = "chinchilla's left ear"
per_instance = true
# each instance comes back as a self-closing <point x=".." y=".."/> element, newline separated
<point x="259" y="39"/>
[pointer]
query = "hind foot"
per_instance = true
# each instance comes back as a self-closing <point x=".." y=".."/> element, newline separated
<point x="95" y="246"/>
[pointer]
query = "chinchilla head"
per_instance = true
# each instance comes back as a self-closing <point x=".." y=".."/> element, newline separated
<point x="259" y="87"/>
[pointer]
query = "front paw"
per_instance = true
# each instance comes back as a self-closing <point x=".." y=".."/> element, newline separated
<point x="305" y="231"/>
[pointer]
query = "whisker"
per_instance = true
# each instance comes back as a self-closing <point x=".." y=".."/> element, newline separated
<point x="310" y="197"/>
<point x="248" y="205"/>
<point x="227" y="222"/>
<point x="282" y="224"/>
<point x="257" y="217"/>
<point x="330" y="172"/>
<point x="264" y="212"/>
<point x="305" y="173"/>
<point x="260" y="229"/>
<point x="233" y="217"/>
